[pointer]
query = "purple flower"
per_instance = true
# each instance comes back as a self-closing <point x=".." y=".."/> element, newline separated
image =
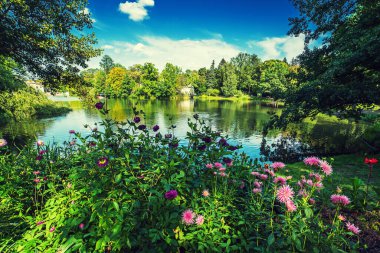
<point x="172" y="194"/>
<point x="72" y="132"/>
<point x="227" y="160"/>
<point x="207" y="139"/>
<point x="173" y="144"/>
<point x="39" y="158"/>
<point x="99" y="105"/>
<point x="202" y="148"/>
<point x="168" y="136"/>
<point x="232" y="148"/>
<point x="136" y="119"/>
<point x="156" y="128"/>
<point x="222" y="141"/>
<point x="141" y="127"/>
<point x="102" y="162"/>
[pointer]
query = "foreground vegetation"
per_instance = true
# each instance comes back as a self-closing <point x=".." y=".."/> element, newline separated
<point x="132" y="188"/>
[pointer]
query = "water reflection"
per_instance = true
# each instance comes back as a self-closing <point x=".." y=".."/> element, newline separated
<point x="243" y="121"/>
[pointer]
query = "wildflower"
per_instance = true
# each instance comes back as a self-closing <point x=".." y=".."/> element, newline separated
<point x="311" y="201"/>
<point x="318" y="185"/>
<point x="95" y="129"/>
<point x="141" y="127"/>
<point x="72" y="132"/>
<point x="156" y="128"/>
<point x="270" y="172"/>
<point x="81" y="226"/>
<point x="222" y="169"/>
<point x="255" y="173"/>
<point x="37" y="180"/>
<point x="302" y="193"/>
<point x="99" y="105"/>
<point x="172" y="194"/>
<point x="370" y="161"/>
<point x="229" y="164"/>
<point x="279" y="180"/>
<point x="222" y="141"/>
<point x="227" y="160"/>
<point x="341" y="217"/>
<point x="278" y="165"/>
<point x="52" y="229"/>
<point x="173" y="144"/>
<point x="290" y="206"/>
<point x="285" y="193"/>
<point x="256" y="190"/>
<point x="309" y="182"/>
<point x="218" y="165"/>
<point x="209" y="166"/>
<point x="205" y="193"/>
<point x="45" y="178"/>
<point x="168" y="136"/>
<point x="340" y="199"/>
<point x="69" y="185"/>
<point x="316" y="176"/>
<point x="42" y="152"/>
<point x="136" y="119"/>
<point x="338" y="190"/>
<point x="215" y="173"/>
<point x="3" y="143"/>
<point x="40" y="223"/>
<point x="37" y="172"/>
<point x="202" y="147"/>
<point x="263" y="177"/>
<point x="232" y="148"/>
<point x="188" y="217"/>
<point x="207" y="139"/>
<point x="222" y="174"/>
<point x="327" y="169"/>
<point x="257" y="184"/>
<point x="311" y="161"/>
<point x="102" y="162"/>
<point x="92" y="144"/>
<point x="40" y="143"/>
<point x="351" y="227"/>
<point x="242" y="185"/>
<point x="199" y="220"/>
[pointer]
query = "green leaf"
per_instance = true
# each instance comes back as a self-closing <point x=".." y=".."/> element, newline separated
<point x="270" y="239"/>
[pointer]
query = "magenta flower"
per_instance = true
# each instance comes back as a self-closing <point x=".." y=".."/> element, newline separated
<point x="36" y="180"/>
<point x="279" y="180"/>
<point x="199" y="220"/>
<point x="263" y="177"/>
<point x="72" y="132"/>
<point x="218" y="165"/>
<point x="37" y="172"/>
<point x="312" y="161"/>
<point x="102" y="162"/>
<point x="99" y="105"/>
<point x="222" y="174"/>
<point x="351" y="227"/>
<point x="40" y="223"/>
<point x="3" y="143"/>
<point x="311" y="201"/>
<point x="340" y="199"/>
<point x="290" y="206"/>
<point x="188" y="217"/>
<point x="172" y="194"/>
<point x="270" y="172"/>
<point x="209" y="166"/>
<point x="42" y="152"/>
<point x="278" y="165"/>
<point x="52" y="229"/>
<point x="257" y="184"/>
<point x="229" y="164"/>
<point x="285" y="193"/>
<point x="327" y="169"/>
<point x="81" y="226"/>
<point x="256" y="190"/>
<point x="255" y="173"/>
<point x="222" y="169"/>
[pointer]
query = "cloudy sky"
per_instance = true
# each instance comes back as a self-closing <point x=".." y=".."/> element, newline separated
<point x="192" y="33"/>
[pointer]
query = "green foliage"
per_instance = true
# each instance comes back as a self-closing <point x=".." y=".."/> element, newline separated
<point x="9" y="80"/>
<point x="106" y="192"/>
<point x="47" y="37"/>
<point x="106" y="63"/>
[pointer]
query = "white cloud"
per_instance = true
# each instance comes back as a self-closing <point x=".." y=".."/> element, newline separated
<point x="136" y="10"/>
<point x="186" y="53"/>
<point x="86" y="11"/>
<point x="278" y="47"/>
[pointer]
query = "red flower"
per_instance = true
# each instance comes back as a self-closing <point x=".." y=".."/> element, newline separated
<point x="370" y="161"/>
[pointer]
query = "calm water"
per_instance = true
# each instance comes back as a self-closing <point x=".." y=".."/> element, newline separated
<point x="243" y="121"/>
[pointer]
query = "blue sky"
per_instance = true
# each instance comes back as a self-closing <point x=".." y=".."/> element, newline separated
<point x="192" y="33"/>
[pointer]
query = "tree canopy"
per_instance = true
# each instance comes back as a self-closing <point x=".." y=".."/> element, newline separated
<point x="47" y="37"/>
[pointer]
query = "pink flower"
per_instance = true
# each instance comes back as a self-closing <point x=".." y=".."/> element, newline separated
<point x="222" y="169"/>
<point x="302" y="193"/>
<point x="40" y="223"/>
<point x="256" y="190"/>
<point x="37" y="172"/>
<point x="311" y="161"/>
<point x="279" y="180"/>
<point x="285" y="193"/>
<point x="278" y="165"/>
<point x="309" y="182"/>
<point x="318" y="185"/>
<point x="351" y="227"/>
<point x="222" y="174"/>
<point x="270" y="172"/>
<point x="40" y="143"/>
<point x="36" y="180"/>
<point x="205" y="193"/>
<point x="188" y="217"/>
<point x="81" y="226"/>
<point x="242" y="185"/>
<point x="218" y="165"/>
<point x="52" y="229"/>
<point x="42" y="152"/>
<point x="317" y="177"/>
<point x="255" y="173"/>
<point x="3" y="143"/>
<point x="72" y="132"/>
<point x="311" y="201"/>
<point x="341" y="217"/>
<point x="209" y="166"/>
<point x="290" y="206"/>
<point x="263" y="177"/>
<point x="340" y="199"/>
<point x="199" y="220"/>
<point x="229" y="164"/>
<point x="215" y="173"/>
<point x="257" y="184"/>
<point x="327" y="169"/>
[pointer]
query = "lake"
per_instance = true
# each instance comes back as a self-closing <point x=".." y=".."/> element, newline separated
<point x="243" y="121"/>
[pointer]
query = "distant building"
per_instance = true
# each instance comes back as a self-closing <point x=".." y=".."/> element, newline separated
<point x="187" y="91"/>
<point x="37" y="85"/>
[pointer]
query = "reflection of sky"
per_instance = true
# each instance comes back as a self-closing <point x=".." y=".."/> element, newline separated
<point x="236" y="122"/>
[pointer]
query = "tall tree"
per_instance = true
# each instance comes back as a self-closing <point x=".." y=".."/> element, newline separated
<point x="168" y="79"/>
<point x="229" y="79"/>
<point x="342" y="75"/>
<point x="106" y="63"/>
<point x="211" y="77"/>
<point x="47" y="37"/>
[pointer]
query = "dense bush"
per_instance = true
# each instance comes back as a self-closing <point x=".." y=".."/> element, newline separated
<point x="130" y="188"/>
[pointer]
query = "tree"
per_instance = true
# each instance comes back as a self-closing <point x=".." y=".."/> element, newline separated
<point x="229" y="85"/>
<point x="106" y="63"/>
<point x="10" y="80"/>
<point x="273" y="78"/>
<point x="342" y="75"/>
<point x="99" y="81"/>
<point x="246" y="66"/>
<point x="115" y="81"/>
<point x="47" y="38"/>
<point x="211" y="80"/>
<point x="168" y="79"/>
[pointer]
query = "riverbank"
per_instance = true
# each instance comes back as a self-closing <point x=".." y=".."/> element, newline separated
<point x="265" y="101"/>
